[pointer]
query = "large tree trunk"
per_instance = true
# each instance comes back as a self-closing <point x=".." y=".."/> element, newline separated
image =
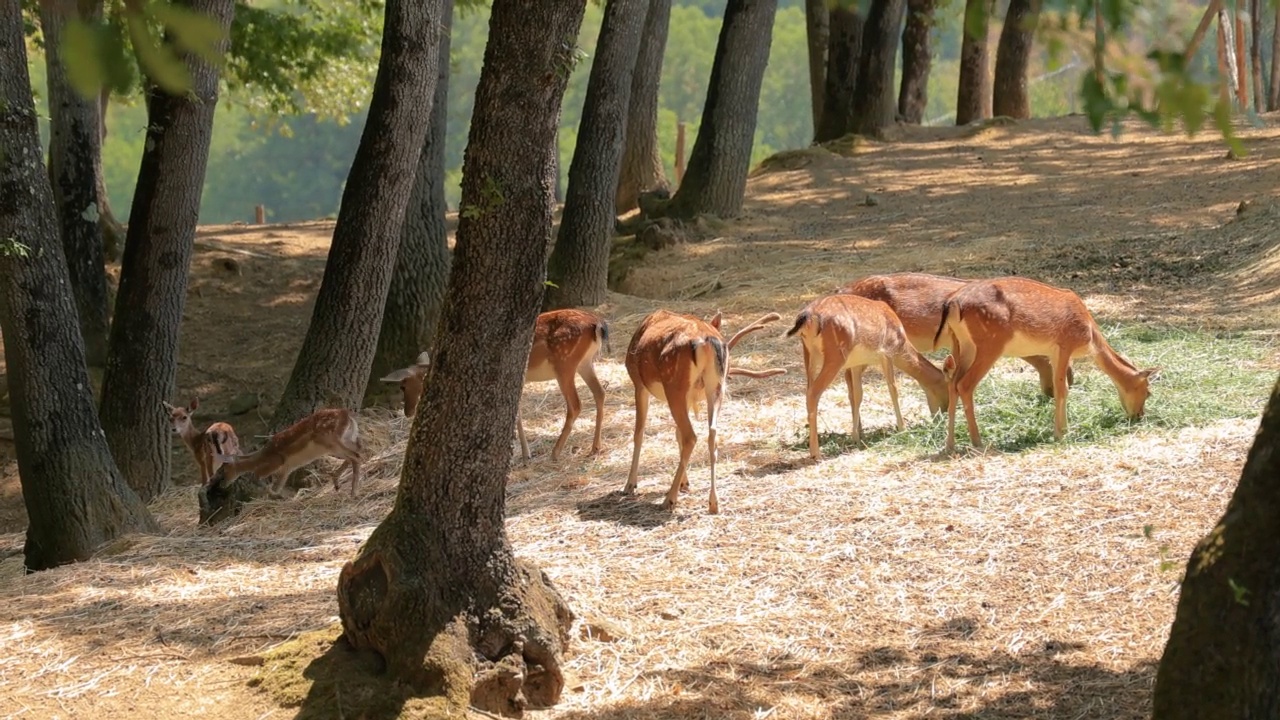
<point x="1273" y="93"/>
<point x="974" y="97"/>
<point x="873" y="101"/>
<point x="75" y="163"/>
<point x="844" y="53"/>
<point x="436" y="590"/>
<point x="422" y="267"/>
<point x="642" y="169"/>
<point x="74" y="495"/>
<point x="1221" y="657"/>
<point x="336" y="358"/>
<point x="579" y="264"/>
<point x="817" y="31"/>
<point x="143" y="358"/>
<point x="716" y="178"/>
<point x="1010" y="96"/>
<point x="917" y="58"/>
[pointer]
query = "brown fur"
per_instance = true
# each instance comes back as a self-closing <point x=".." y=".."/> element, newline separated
<point x="326" y="432"/>
<point x="217" y="439"/>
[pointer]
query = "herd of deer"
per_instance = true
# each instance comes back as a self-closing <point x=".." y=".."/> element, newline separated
<point x="683" y="360"/>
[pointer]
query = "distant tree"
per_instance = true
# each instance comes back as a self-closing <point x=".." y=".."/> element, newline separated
<point x="143" y="353"/>
<point x="74" y="495"/>
<point x="579" y="263"/>
<point x="716" y="179"/>
<point x="844" y="54"/>
<point x="817" y="23"/>
<point x="973" y="100"/>
<point x="917" y="57"/>
<point x="874" y="105"/>
<point x="436" y="590"/>
<point x="1273" y="92"/>
<point x="333" y="366"/>
<point x="1010" y="97"/>
<point x="642" y="169"/>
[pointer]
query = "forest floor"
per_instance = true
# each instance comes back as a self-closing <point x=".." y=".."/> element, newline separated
<point x="883" y="581"/>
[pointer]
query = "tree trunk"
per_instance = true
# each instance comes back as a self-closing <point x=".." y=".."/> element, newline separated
<point x="579" y="264"/>
<point x="336" y="358"/>
<point x="1273" y="94"/>
<point x="1221" y="657"/>
<point x="422" y="267"/>
<point x="143" y="354"/>
<point x="74" y="495"/>
<point x="716" y="178"/>
<point x="817" y="20"/>
<point x="844" y="53"/>
<point x="1255" y="52"/>
<point x="642" y="169"/>
<point x="112" y="230"/>
<point x="973" y="98"/>
<point x="75" y="163"/>
<point x="1010" y="97"/>
<point x="917" y="57"/>
<point x="436" y="590"/>
<point x="873" y="101"/>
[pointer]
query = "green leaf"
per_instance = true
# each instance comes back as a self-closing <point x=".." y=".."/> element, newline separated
<point x="1096" y="102"/>
<point x="158" y="60"/>
<point x="192" y="31"/>
<point x="81" y="53"/>
<point x="1222" y="118"/>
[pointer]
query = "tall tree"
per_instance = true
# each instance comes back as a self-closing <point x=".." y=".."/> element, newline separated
<point x="1255" y="53"/>
<point x="74" y="495"/>
<point x="579" y="264"/>
<point x="422" y="268"/>
<point x="973" y="100"/>
<point x="716" y="178"/>
<point x="337" y="354"/>
<point x="1273" y="92"/>
<point x="642" y="169"/>
<point x="436" y="590"/>
<point x="844" y="54"/>
<point x="1220" y="660"/>
<point x="1010" y="97"/>
<point x="817" y="25"/>
<point x="917" y="57"/>
<point x="873" y="100"/>
<point x="143" y="353"/>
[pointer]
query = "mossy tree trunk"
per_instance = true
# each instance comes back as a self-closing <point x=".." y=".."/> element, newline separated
<point x="844" y="54"/>
<point x="642" y="168"/>
<point x="874" y="105"/>
<point x="436" y="590"/>
<point x="917" y="58"/>
<point x="817" y="27"/>
<point x="973" y="100"/>
<point x="1010" y="97"/>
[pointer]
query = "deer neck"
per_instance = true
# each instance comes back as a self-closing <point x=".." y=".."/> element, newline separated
<point x="1121" y="371"/>
<point x="260" y="462"/>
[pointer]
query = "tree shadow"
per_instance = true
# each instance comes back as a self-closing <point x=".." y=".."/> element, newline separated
<point x="633" y="510"/>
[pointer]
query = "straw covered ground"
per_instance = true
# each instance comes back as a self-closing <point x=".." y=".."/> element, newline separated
<point x="883" y="581"/>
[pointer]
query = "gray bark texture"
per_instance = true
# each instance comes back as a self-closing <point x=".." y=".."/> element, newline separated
<point x="874" y="106"/>
<point x="973" y="100"/>
<point x="917" y="59"/>
<point x="1010" y="97"/>
<point x="844" y="54"/>
<point x="817" y="28"/>
<point x="642" y="168"/>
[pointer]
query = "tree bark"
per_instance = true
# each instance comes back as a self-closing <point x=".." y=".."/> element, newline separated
<point x="75" y="497"/>
<point x="873" y="101"/>
<point x="143" y="352"/>
<point x="1273" y="94"/>
<point x="75" y="164"/>
<point x="436" y="590"/>
<point x="1010" y="96"/>
<point x="817" y="24"/>
<point x="579" y="264"/>
<point x="112" y="230"/>
<point x="642" y="168"/>
<point x="1255" y="52"/>
<point x="974" y="97"/>
<point x="1221" y="657"/>
<point x="917" y="58"/>
<point x="844" y="54"/>
<point x="337" y="354"/>
<point x="422" y="267"/>
<point x="716" y="179"/>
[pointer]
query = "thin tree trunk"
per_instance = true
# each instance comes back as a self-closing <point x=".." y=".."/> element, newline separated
<point x="1255" y="53"/>
<point x="1011" y="98"/>
<point x="1229" y="53"/>
<point x="817" y="23"/>
<point x="917" y="57"/>
<point x="75" y="164"/>
<point x="974" y="95"/>
<point x="436" y="590"/>
<point x="334" y="364"/>
<point x="422" y="267"/>
<point x="579" y="264"/>
<point x="112" y="230"/>
<point x="844" y="53"/>
<point x="642" y="168"/>
<point x="873" y="105"/>
<point x="75" y="497"/>
<point x="1273" y="95"/>
<point x="143" y="356"/>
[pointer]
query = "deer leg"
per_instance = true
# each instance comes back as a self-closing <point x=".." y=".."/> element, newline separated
<point x="817" y="384"/>
<point x="891" y="379"/>
<point x="524" y="445"/>
<point x="853" y="384"/>
<point x="1045" y="369"/>
<point x="984" y="359"/>
<point x="588" y="373"/>
<point x="688" y="438"/>
<point x="713" y="411"/>
<point x="572" y="407"/>
<point x="637" y="440"/>
<point x="1060" y="369"/>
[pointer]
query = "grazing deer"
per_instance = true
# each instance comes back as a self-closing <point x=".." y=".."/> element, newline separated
<point x="565" y="342"/>
<point x="1013" y="316"/>
<point x="326" y="432"/>
<point x="217" y="439"/>
<point x="682" y="360"/>
<point x="849" y="332"/>
<point x="917" y="298"/>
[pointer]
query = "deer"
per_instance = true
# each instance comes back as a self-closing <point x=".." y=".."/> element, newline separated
<point x="565" y="342"/>
<point x="847" y="333"/>
<point x="328" y="432"/>
<point x="917" y="298"/>
<point x="205" y="445"/>
<point x="1018" y="317"/>
<point x="683" y="360"/>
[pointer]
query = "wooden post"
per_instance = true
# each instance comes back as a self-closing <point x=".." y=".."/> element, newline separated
<point x="260" y="214"/>
<point x="1242" y="62"/>
<point x="679" y="153"/>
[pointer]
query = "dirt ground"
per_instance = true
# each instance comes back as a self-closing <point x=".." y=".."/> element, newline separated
<point x="876" y="582"/>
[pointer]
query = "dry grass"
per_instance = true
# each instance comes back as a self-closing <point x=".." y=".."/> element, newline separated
<point x="884" y="582"/>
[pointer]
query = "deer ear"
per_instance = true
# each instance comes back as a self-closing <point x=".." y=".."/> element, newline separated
<point x="715" y="320"/>
<point x="949" y="364"/>
<point x="195" y="403"/>
<point x="1151" y="373"/>
<point x="167" y="406"/>
<point x="424" y="358"/>
<point x="397" y="375"/>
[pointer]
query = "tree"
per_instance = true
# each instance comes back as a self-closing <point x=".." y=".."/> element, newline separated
<point x="973" y="101"/>
<point x="844" y="54"/>
<point x="642" y="169"/>
<point x="817" y="26"/>
<point x="579" y="264"/>
<point x="1220" y="659"/>
<point x="74" y="495"/>
<point x="337" y="354"/>
<point x="436" y="590"/>
<point x="917" y="56"/>
<point x="421" y="273"/>
<point x="1273" y="92"/>
<point x="716" y="178"/>
<point x="1010" y="97"/>
<point x="143" y="349"/>
<point x="873" y="100"/>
